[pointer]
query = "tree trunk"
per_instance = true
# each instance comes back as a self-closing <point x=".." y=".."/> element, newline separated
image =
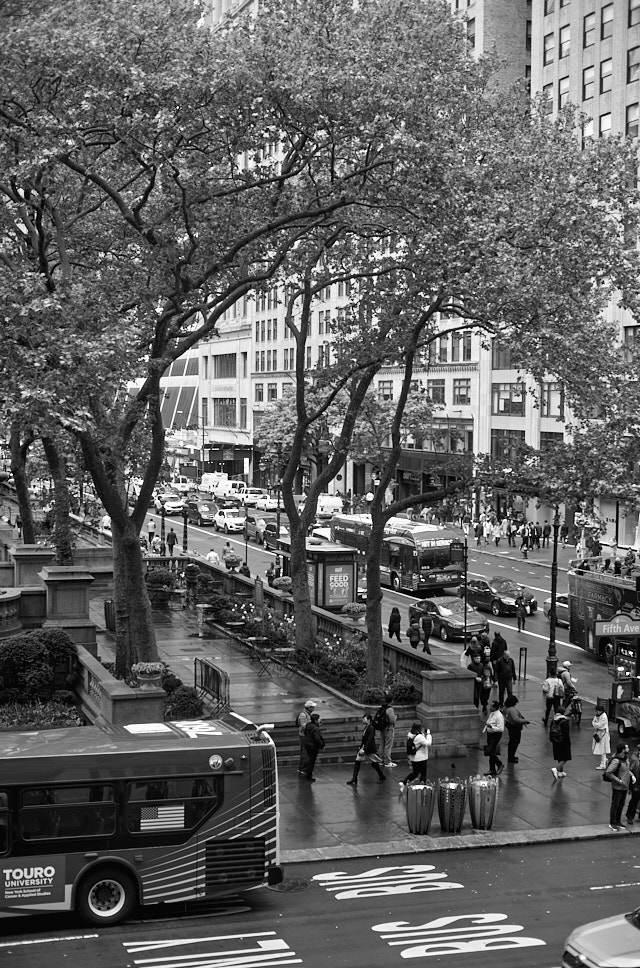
<point x="62" y="526"/>
<point x="19" y="450"/>
<point x="375" y="664"/>
<point x="135" y="633"/>
<point x="305" y="629"/>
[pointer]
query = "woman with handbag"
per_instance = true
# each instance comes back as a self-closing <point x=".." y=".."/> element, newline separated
<point x="601" y="743"/>
<point x="494" y="728"/>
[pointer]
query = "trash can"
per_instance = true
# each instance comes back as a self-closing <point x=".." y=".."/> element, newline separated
<point x="109" y="615"/>
<point x="483" y="799"/>
<point x="420" y="803"/>
<point x="452" y="799"/>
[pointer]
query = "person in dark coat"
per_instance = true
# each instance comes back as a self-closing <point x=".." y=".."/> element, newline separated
<point x="498" y="646"/>
<point x="313" y="743"/>
<point x="505" y="672"/>
<point x="394" y="623"/>
<point x="414" y="634"/>
<point x="514" y="722"/>
<point x="427" y="630"/>
<point x="475" y="666"/>
<point x="368" y="751"/>
<point x="562" y="747"/>
<point x="521" y="612"/>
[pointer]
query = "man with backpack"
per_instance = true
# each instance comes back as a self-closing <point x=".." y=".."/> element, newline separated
<point x="618" y="774"/>
<point x="553" y="692"/>
<point x="384" y="722"/>
<point x="304" y="717"/>
<point x="313" y="742"/>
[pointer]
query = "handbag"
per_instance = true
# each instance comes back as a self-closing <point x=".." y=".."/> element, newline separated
<point x="596" y="738"/>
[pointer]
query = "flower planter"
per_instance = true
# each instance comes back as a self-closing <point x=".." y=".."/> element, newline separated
<point x="149" y="682"/>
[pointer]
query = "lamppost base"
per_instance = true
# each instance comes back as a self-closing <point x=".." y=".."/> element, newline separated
<point x="552" y="664"/>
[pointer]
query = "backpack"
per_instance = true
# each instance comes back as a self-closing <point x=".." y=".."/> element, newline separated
<point x="608" y="776"/>
<point x="412" y="749"/>
<point x="555" y="732"/>
<point x="381" y="721"/>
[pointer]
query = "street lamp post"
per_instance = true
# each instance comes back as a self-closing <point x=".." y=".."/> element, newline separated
<point x="552" y="656"/>
<point x="163" y="545"/>
<point x="185" y="532"/>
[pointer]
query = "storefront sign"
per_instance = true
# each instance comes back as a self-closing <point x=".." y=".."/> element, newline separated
<point x="619" y="624"/>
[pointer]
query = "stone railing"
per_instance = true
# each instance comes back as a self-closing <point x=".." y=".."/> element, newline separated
<point x="106" y="700"/>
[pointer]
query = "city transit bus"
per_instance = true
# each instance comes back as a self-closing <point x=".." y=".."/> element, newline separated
<point x="604" y="613"/>
<point x="416" y="557"/>
<point x="99" y="819"/>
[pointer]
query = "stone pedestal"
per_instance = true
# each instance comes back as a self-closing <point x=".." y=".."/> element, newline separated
<point x="29" y="561"/>
<point x="7" y="540"/>
<point x="67" y="589"/>
<point x="447" y="709"/>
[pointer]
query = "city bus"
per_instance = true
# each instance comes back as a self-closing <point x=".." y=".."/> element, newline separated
<point x="416" y="557"/>
<point x="604" y="617"/>
<point x="100" y="819"/>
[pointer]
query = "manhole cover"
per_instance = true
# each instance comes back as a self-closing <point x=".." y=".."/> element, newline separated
<point x="290" y="884"/>
<point x="191" y="648"/>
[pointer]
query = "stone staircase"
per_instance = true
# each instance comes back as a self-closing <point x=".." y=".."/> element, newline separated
<point x="342" y="739"/>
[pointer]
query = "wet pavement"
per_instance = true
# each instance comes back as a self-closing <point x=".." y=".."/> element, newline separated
<point x="328" y="819"/>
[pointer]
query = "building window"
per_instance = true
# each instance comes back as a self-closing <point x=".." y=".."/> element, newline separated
<point x="589" y="33"/>
<point x="549" y="6"/>
<point x="565" y="41"/>
<point x="268" y="361"/>
<point x="550" y="437"/>
<point x="563" y="91"/>
<point x="275" y="359"/>
<point x="205" y="413"/>
<point x="262" y="364"/>
<point x="257" y="330"/>
<point x="507" y="399"/>
<point x="435" y="389"/>
<point x="606" y="71"/>
<point x="552" y="400"/>
<point x="443" y="347"/>
<point x="547" y="98"/>
<point x="471" y="32"/>
<point x="631" y="343"/>
<point x="505" y="443"/>
<point x="308" y="361"/>
<point x="224" y="366"/>
<point x="606" y="22"/>
<point x="632" y="120"/>
<point x="466" y="347"/>
<point x="385" y="389"/>
<point x="587" y="130"/>
<point x="633" y="63"/>
<point x="257" y="366"/>
<point x="243" y="412"/>
<point x="272" y="392"/>
<point x="527" y="40"/>
<point x="224" y="412"/>
<point x="634" y="12"/>
<point x="500" y="356"/>
<point x="605" y="125"/>
<point x="588" y="83"/>
<point x="549" y="45"/>
<point x="461" y="392"/>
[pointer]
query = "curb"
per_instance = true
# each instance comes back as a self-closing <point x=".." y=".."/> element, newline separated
<point x="470" y="840"/>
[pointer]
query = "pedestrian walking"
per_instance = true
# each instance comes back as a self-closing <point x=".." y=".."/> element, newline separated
<point x="618" y="773"/>
<point x="414" y="634"/>
<point x="505" y="673"/>
<point x="427" y="630"/>
<point x="564" y="533"/>
<point x="487" y="675"/>
<point x="567" y="680"/>
<point x="475" y="666"/>
<point x="384" y="722"/>
<point x="394" y="623"/>
<point x="498" y="646"/>
<point x="634" y="799"/>
<point x="601" y="742"/>
<point x="313" y="741"/>
<point x="494" y="728"/>
<point x="560" y="737"/>
<point x="474" y="647"/>
<point x="244" y="570"/>
<point x="270" y="574"/>
<point x="368" y="751"/>
<point x="172" y="540"/>
<point x="514" y="722"/>
<point x="151" y="530"/>
<point x="553" y="691"/>
<point x="479" y="533"/>
<point x="418" y="743"/>
<point x="546" y="534"/>
<point x="304" y="717"/>
<point x="521" y="611"/>
<point x="213" y="557"/>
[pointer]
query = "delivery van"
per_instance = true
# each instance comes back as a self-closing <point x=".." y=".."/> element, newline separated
<point x="328" y="505"/>
<point x="227" y="488"/>
<point x="209" y="481"/>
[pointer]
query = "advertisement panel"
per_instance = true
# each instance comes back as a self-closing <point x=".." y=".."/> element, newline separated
<point x="32" y="880"/>
<point x="338" y="588"/>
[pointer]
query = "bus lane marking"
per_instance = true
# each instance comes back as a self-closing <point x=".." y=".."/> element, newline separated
<point x="452" y="936"/>
<point x="384" y="881"/>
<point x="264" y="950"/>
<point x="32" y="941"/>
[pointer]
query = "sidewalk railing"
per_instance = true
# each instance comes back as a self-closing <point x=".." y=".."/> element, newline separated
<point x="212" y="683"/>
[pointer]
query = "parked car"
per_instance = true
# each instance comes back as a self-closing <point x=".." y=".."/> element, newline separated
<point x="604" y="944"/>
<point x="251" y="494"/>
<point x="562" y="609"/>
<point x="228" y="519"/>
<point x="448" y="617"/>
<point x="497" y="595"/>
<point x="267" y="502"/>
<point x="271" y="533"/>
<point x="173" y="502"/>
<point x="255" y="525"/>
<point x="201" y="512"/>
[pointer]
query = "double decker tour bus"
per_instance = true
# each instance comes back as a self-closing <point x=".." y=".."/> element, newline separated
<point x="604" y="613"/>
<point x="416" y="557"/>
<point x="99" y="819"/>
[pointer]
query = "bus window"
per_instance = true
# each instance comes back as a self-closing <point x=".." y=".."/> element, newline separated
<point x="4" y="823"/>
<point x="87" y="811"/>
<point x="182" y="804"/>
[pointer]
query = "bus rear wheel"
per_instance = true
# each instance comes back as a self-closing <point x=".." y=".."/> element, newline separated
<point x="106" y="896"/>
<point x="395" y="582"/>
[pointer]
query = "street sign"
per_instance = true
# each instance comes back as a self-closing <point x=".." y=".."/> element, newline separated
<point x="619" y="624"/>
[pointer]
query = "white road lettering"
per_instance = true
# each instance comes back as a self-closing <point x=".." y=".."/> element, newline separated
<point x="445" y="936"/>
<point x="384" y="881"/>
<point x="266" y="951"/>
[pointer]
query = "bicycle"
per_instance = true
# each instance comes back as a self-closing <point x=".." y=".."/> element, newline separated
<point x="574" y="708"/>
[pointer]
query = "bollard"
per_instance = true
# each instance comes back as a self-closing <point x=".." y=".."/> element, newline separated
<point x="522" y="663"/>
<point x="483" y="800"/>
<point x="452" y="796"/>
<point x="420" y="803"/>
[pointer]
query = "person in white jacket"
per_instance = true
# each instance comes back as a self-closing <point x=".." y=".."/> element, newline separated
<point x="601" y="742"/>
<point x="420" y="742"/>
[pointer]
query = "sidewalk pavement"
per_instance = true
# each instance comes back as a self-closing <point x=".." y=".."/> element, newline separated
<point x="329" y="820"/>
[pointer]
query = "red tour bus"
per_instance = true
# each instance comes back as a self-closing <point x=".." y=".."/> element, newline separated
<point x="102" y="818"/>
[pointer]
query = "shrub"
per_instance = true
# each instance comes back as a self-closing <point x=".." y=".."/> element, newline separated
<point x="159" y="578"/>
<point x="38" y="682"/>
<point x="59" y="645"/>
<point x="403" y="690"/>
<point x="170" y="682"/>
<point x="40" y="715"/>
<point x="184" y="703"/>
<point x="28" y="661"/>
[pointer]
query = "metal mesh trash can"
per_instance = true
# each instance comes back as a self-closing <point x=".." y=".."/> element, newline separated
<point x="420" y="803"/>
<point x="452" y="799"/>
<point x="483" y="800"/>
<point x="109" y="615"/>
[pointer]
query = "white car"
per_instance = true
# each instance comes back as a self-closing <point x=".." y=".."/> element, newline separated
<point x="609" y="943"/>
<point x="229" y="519"/>
<point x="251" y="495"/>
<point x="173" y="503"/>
<point x="267" y="503"/>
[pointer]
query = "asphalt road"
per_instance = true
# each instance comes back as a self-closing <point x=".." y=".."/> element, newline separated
<point x="485" y="908"/>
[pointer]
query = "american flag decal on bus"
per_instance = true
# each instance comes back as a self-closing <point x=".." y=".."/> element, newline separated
<point x="169" y="817"/>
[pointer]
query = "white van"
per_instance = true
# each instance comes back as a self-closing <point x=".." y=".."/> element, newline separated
<point x="328" y="505"/>
<point x="209" y="481"/>
<point x="227" y="488"/>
